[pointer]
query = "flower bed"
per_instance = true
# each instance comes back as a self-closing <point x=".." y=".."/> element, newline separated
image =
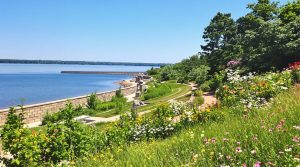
<point x="250" y="90"/>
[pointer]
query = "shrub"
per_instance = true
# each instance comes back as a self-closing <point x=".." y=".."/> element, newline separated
<point x="51" y="118"/>
<point x="205" y="86"/>
<point x="119" y="93"/>
<point x="198" y="93"/>
<point x="19" y="142"/>
<point x="296" y="75"/>
<point x="199" y="101"/>
<point x="217" y="80"/>
<point x="199" y="74"/>
<point x="62" y="142"/>
<point x="58" y="116"/>
<point x="153" y="71"/>
<point x="92" y="101"/>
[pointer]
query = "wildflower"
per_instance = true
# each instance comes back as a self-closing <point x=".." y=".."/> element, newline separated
<point x="213" y="140"/>
<point x="296" y="127"/>
<point x="257" y="164"/>
<point x="244" y="165"/>
<point x="228" y="157"/>
<point x="220" y="155"/>
<point x="238" y="150"/>
<point x="296" y="139"/>
<point x="253" y="152"/>
<point x="224" y="139"/>
<point x="270" y="163"/>
<point x="238" y="143"/>
<point x="288" y="150"/>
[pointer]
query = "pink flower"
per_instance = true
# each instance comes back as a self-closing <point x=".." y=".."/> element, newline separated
<point x="238" y="150"/>
<point x="244" y="165"/>
<point x="213" y="140"/>
<point x="257" y="164"/>
<point x="296" y="139"/>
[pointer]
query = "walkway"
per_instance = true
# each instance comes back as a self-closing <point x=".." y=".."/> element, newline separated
<point x="209" y="100"/>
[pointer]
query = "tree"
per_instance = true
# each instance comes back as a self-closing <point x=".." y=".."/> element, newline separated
<point x="221" y="41"/>
<point x="199" y="74"/>
<point x="290" y="12"/>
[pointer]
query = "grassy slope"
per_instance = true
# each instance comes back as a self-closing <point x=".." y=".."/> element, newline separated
<point x="188" y="146"/>
<point x="177" y="90"/>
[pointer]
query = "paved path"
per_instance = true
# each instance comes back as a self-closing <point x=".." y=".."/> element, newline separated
<point x="209" y="100"/>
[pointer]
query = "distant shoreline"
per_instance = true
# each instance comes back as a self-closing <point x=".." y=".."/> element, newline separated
<point x="20" y="61"/>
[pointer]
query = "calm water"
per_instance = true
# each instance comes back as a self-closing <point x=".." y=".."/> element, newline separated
<point x="43" y="82"/>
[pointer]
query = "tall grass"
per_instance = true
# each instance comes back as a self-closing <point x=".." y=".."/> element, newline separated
<point x="267" y="136"/>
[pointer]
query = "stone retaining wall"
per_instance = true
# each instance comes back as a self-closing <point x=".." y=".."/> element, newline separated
<point x="36" y="112"/>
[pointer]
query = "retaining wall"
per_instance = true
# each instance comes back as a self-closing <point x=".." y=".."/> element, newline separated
<point x="36" y="112"/>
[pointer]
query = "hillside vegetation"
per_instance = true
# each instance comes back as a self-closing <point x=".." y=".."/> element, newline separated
<point x="251" y="64"/>
<point x="268" y="137"/>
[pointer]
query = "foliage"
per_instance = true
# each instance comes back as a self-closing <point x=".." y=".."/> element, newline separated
<point x="252" y="91"/>
<point x="157" y="90"/>
<point x="19" y="142"/>
<point x="153" y="71"/>
<point x="295" y="71"/>
<point x="198" y="93"/>
<point x="59" y="116"/>
<point x="92" y="101"/>
<point x="217" y="80"/>
<point x="60" y="143"/>
<point x="168" y="73"/>
<point x="199" y="101"/>
<point x="199" y="74"/>
<point x="205" y="87"/>
<point x="265" y="137"/>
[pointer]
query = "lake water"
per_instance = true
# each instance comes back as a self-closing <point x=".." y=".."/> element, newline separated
<point x="35" y="83"/>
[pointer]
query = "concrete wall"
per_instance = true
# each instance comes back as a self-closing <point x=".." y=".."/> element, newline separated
<point x="36" y="112"/>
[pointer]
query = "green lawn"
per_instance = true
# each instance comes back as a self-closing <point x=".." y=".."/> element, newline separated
<point x="269" y="136"/>
<point x="178" y="90"/>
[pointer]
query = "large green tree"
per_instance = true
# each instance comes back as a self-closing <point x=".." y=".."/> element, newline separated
<point x="221" y="41"/>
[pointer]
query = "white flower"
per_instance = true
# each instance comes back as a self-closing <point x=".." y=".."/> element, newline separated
<point x="288" y="150"/>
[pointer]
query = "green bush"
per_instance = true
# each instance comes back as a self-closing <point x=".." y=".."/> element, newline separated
<point x="92" y="101"/>
<point x="199" y="101"/>
<point x="199" y="75"/>
<point x="60" y="143"/>
<point x="217" y="80"/>
<point x="296" y="75"/>
<point x="58" y="116"/>
<point x="198" y="93"/>
<point x="205" y="87"/>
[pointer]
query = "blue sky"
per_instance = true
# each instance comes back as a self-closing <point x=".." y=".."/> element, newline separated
<point x="108" y="30"/>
